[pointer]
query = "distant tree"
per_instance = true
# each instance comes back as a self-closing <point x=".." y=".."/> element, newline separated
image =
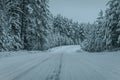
<point x="69" y="32"/>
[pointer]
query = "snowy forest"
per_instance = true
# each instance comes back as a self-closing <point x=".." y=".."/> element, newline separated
<point x="29" y="25"/>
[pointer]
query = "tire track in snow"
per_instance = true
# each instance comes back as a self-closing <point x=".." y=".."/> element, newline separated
<point x="100" y="68"/>
<point x="29" y="69"/>
<point x="24" y="69"/>
<point x="18" y="64"/>
<point x="56" y="72"/>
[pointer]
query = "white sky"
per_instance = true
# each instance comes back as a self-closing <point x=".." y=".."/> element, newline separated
<point x="78" y="10"/>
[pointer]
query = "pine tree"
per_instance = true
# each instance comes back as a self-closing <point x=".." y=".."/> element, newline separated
<point x="100" y="39"/>
<point x="112" y="22"/>
<point x="36" y="32"/>
<point x="11" y="29"/>
<point x="20" y="28"/>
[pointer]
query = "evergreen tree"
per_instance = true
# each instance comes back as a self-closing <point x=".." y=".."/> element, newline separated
<point x="36" y="32"/>
<point x="112" y="23"/>
<point x="11" y="28"/>
<point x="23" y="23"/>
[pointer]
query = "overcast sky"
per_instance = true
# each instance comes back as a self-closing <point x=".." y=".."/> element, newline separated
<point x="78" y="10"/>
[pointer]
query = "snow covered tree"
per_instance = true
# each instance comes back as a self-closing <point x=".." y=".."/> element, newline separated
<point x="106" y="32"/>
<point x="112" y="23"/>
<point x="13" y="12"/>
<point x="69" y="32"/>
<point x="36" y="31"/>
<point x="100" y="39"/>
<point x="89" y="43"/>
<point x="11" y="24"/>
<point x="23" y="23"/>
<point x="3" y="26"/>
<point x="78" y="33"/>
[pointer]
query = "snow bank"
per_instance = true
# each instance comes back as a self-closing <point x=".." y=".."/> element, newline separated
<point x="66" y="49"/>
<point x="17" y="53"/>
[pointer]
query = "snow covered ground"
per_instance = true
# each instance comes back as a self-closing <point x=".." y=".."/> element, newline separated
<point x="18" y="53"/>
<point x="61" y="63"/>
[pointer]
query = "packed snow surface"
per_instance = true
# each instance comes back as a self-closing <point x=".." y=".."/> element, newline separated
<point x="61" y="63"/>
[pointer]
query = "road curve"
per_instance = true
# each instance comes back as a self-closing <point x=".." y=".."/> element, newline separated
<point x="64" y="64"/>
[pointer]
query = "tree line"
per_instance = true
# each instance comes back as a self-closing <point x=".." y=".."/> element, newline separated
<point x="29" y="25"/>
<point x="104" y="33"/>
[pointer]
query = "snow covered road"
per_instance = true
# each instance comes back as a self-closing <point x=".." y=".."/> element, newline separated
<point x="62" y="63"/>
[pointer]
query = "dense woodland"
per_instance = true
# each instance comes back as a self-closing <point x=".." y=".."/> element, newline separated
<point x="29" y="25"/>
